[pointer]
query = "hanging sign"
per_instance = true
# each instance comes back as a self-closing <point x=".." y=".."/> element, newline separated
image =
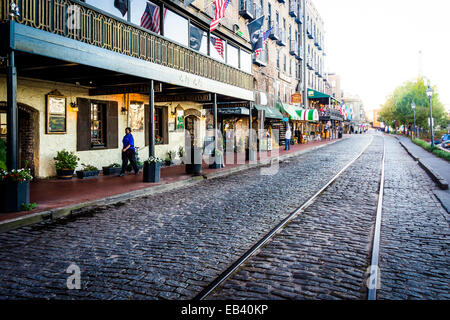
<point x="56" y="113"/>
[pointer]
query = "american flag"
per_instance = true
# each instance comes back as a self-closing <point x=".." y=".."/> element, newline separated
<point x="220" y="5"/>
<point x="150" y="18"/>
<point x="218" y="44"/>
<point x="267" y="34"/>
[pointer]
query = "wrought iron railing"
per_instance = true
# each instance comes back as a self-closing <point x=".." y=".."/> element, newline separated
<point x="105" y="32"/>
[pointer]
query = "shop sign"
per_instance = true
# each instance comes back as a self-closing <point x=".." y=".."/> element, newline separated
<point x="234" y="110"/>
<point x="285" y="119"/>
<point x="184" y="97"/>
<point x="296" y="98"/>
<point x="180" y="120"/>
<point x="56" y="113"/>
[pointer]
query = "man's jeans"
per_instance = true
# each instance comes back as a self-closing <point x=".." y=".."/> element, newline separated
<point x="288" y="144"/>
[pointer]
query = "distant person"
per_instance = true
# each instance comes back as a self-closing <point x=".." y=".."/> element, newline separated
<point x="128" y="153"/>
<point x="288" y="139"/>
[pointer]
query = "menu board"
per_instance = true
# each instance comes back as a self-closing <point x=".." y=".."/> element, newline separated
<point x="56" y="114"/>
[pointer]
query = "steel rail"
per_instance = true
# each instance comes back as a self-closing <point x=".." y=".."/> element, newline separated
<point x="278" y="228"/>
<point x="374" y="275"/>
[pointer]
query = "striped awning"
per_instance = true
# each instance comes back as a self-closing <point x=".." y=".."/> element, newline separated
<point x="290" y="110"/>
<point x="308" y="115"/>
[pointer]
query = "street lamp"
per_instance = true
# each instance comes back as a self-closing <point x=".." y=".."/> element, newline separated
<point x="430" y="94"/>
<point x="413" y="106"/>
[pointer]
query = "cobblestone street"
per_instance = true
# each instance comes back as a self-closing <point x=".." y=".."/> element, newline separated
<point x="168" y="245"/>
<point x="324" y="253"/>
<point x="171" y="245"/>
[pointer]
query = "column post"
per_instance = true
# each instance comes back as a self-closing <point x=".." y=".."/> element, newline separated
<point x="151" y="149"/>
<point x="12" y="151"/>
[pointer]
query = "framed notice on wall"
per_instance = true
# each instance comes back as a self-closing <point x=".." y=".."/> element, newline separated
<point x="56" y="113"/>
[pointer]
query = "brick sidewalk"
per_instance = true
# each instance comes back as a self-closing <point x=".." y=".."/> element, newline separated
<point x="53" y="193"/>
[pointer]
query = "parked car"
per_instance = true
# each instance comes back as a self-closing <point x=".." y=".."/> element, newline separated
<point x="446" y="144"/>
<point x="445" y="138"/>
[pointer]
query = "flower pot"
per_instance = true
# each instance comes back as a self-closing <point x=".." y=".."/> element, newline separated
<point x="13" y="195"/>
<point x="65" y="174"/>
<point x="218" y="163"/>
<point x="152" y="172"/>
<point x="87" y="174"/>
<point x="111" y="171"/>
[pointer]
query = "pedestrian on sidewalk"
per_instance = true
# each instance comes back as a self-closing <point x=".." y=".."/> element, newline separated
<point x="288" y="138"/>
<point x="128" y="153"/>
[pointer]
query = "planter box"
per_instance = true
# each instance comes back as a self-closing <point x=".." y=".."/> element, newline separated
<point x="111" y="171"/>
<point x="13" y="195"/>
<point x="65" y="174"/>
<point x="250" y="155"/>
<point x="152" y="172"/>
<point x="87" y="174"/>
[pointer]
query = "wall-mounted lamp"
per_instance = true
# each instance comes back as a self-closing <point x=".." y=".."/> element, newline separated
<point x="174" y="112"/>
<point x="123" y="111"/>
<point x="74" y="106"/>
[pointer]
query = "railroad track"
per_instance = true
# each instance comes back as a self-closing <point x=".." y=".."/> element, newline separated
<point x="373" y="280"/>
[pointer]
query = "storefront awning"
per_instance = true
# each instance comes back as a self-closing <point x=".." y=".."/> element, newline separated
<point x="313" y="94"/>
<point x="308" y="115"/>
<point x="290" y="110"/>
<point x="270" y="113"/>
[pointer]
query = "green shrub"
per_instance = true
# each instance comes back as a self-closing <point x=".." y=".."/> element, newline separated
<point x="435" y="150"/>
<point x="66" y="160"/>
<point x="88" y="167"/>
<point x="2" y="155"/>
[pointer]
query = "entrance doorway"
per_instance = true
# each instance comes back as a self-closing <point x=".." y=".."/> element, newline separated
<point x="190" y="124"/>
<point x="28" y="138"/>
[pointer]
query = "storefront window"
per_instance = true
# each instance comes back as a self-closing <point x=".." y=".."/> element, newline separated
<point x="217" y="48"/>
<point x="198" y="40"/>
<point x="3" y="125"/>
<point x="97" y="125"/>
<point x="176" y="28"/>
<point x="146" y="14"/>
<point x="233" y="56"/>
<point x="246" y="61"/>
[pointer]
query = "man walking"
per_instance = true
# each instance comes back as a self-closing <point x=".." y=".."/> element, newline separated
<point x="288" y="138"/>
<point x="128" y="153"/>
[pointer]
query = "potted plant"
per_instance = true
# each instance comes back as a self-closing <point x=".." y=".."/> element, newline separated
<point x="65" y="163"/>
<point x="139" y="163"/>
<point x="88" y="171"/>
<point x="152" y="169"/>
<point x="112" y="169"/>
<point x="170" y="157"/>
<point x="181" y="153"/>
<point x="14" y="189"/>
<point x="218" y="160"/>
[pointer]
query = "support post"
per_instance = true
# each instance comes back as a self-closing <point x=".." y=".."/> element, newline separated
<point x="151" y="150"/>
<point x="12" y="151"/>
<point x="215" y="123"/>
<point x="250" y="135"/>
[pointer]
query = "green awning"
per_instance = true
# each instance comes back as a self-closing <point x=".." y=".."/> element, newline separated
<point x="308" y="115"/>
<point x="290" y="110"/>
<point x="270" y="113"/>
<point x="313" y="94"/>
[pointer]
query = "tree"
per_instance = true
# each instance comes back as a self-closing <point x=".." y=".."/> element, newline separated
<point x="398" y="106"/>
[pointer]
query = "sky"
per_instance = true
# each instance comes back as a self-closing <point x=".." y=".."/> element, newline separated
<point x="374" y="45"/>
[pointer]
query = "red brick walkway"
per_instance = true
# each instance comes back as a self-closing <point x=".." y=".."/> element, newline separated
<point x="54" y="193"/>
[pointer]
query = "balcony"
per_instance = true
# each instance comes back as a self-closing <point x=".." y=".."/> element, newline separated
<point x="98" y="32"/>
<point x="293" y="48"/>
<point x="246" y="9"/>
<point x="274" y="33"/>
<point x="258" y="10"/>
<point x="261" y="59"/>
<point x="309" y="63"/>
<point x="293" y="8"/>
<point x="282" y="1"/>
<point x="282" y="37"/>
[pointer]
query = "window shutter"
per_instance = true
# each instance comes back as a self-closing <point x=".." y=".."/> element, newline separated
<point x="112" y="125"/>
<point x="147" y="124"/>
<point x="83" y="124"/>
<point x="165" y="124"/>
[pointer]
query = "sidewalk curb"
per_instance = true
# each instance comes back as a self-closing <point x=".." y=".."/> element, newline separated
<point x="74" y="210"/>
<point x="440" y="182"/>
